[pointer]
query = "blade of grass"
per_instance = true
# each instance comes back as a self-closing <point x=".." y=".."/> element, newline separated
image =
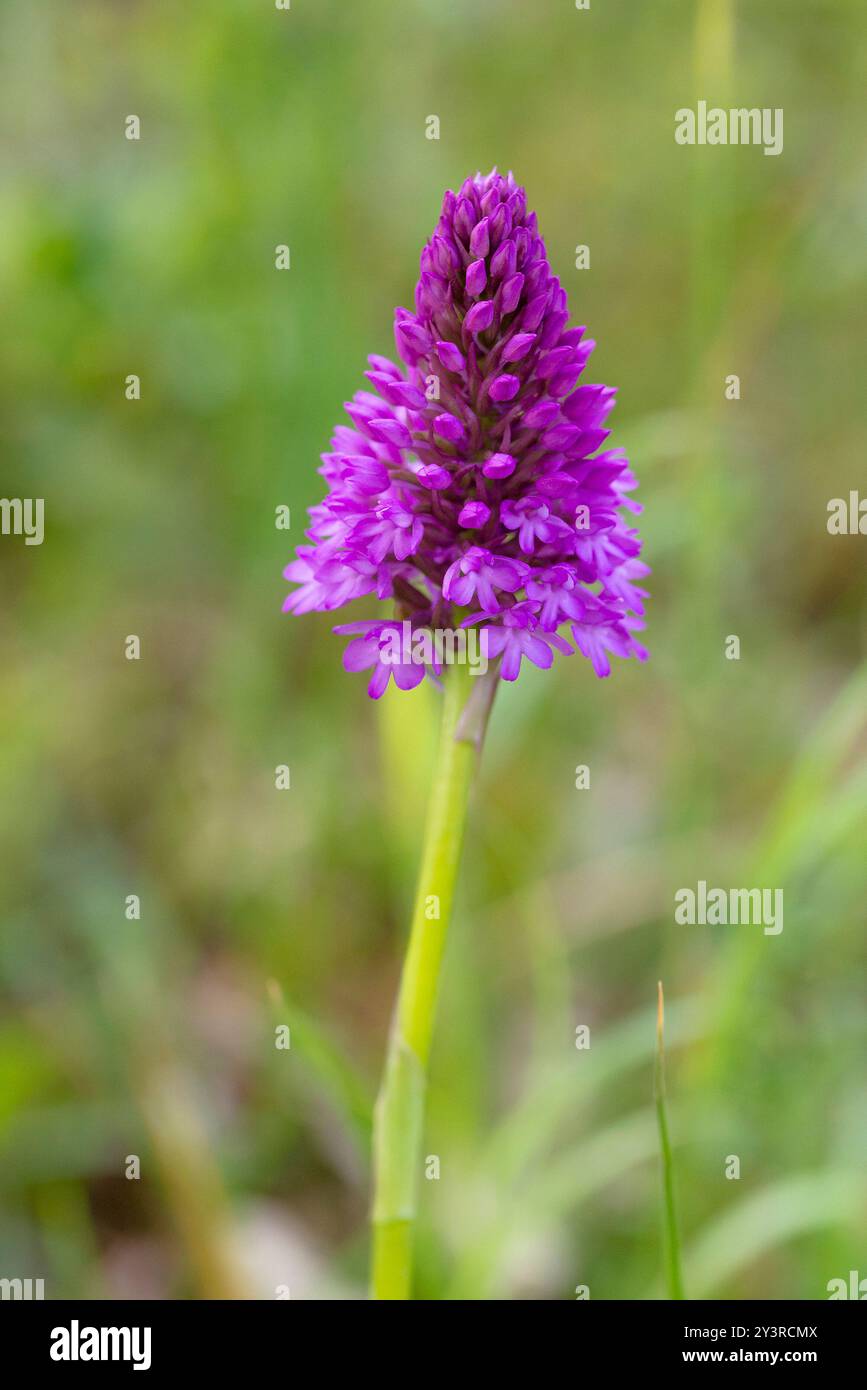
<point x="671" y="1237"/>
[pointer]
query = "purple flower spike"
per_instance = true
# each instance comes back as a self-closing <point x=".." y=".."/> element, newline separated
<point x="502" y="450"/>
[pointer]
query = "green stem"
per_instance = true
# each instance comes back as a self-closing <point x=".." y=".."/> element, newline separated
<point x="399" y="1114"/>
<point x="674" y="1276"/>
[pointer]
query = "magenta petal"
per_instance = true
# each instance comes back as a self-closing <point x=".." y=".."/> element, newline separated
<point x="408" y="675"/>
<point x="379" y="680"/>
<point x="480" y="240"/>
<point x="538" y="651"/>
<point x="477" y="278"/>
<point x="480" y="317"/>
<point x="360" y="654"/>
<point x="517" y="347"/>
<point x="499" y="466"/>
<point x="496" y="638"/>
<point x="431" y="475"/>
<point x="460" y="589"/>
<point x="451" y="357"/>
<point x="487" y="597"/>
<point x="511" y="666"/>
<point x="504" y="388"/>
<point x="473" y="514"/>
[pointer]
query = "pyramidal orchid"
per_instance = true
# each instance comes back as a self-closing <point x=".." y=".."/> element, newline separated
<point x="473" y="489"/>
<point x="474" y="477"/>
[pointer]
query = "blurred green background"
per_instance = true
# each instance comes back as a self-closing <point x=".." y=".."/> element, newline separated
<point x="156" y="1037"/>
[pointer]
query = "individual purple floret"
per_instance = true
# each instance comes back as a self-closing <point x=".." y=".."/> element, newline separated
<point x="473" y="479"/>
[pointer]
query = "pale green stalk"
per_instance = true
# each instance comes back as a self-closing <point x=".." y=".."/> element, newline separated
<point x="399" y="1114"/>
